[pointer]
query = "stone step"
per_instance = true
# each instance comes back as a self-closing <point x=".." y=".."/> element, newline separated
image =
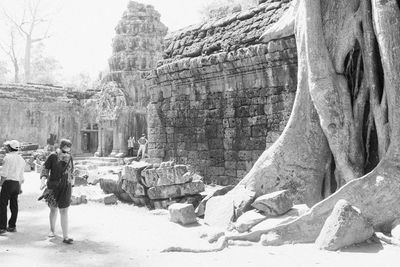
<point x="97" y="163"/>
<point x="108" y="159"/>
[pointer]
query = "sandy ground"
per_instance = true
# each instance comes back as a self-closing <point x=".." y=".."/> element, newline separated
<point x="125" y="235"/>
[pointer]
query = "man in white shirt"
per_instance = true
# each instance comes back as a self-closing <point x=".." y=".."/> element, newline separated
<point x="12" y="176"/>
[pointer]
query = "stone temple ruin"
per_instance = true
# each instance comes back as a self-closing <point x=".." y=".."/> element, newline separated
<point x="211" y="98"/>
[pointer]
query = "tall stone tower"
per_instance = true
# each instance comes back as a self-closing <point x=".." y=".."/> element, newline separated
<point x="137" y="47"/>
<point x="121" y="103"/>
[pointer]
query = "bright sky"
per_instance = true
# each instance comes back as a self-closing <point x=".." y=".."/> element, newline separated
<point x="83" y="29"/>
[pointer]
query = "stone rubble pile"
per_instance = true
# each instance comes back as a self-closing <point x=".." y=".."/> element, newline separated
<point x="162" y="185"/>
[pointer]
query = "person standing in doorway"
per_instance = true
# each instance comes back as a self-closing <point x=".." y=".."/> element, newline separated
<point x="130" y="146"/>
<point x="57" y="171"/>
<point x="142" y="146"/>
<point x="12" y="176"/>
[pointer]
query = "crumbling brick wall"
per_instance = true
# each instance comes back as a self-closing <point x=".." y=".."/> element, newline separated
<point x="220" y="97"/>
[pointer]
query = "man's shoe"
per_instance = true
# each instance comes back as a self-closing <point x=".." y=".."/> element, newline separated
<point x="68" y="241"/>
<point x="2" y="231"/>
<point x="11" y="229"/>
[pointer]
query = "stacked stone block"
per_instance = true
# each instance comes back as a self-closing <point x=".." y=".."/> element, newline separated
<point x="162" y="185"/>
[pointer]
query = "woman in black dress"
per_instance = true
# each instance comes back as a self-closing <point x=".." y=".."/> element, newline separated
<point x="58" y="170"/>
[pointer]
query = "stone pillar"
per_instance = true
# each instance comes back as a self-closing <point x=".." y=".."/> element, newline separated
<point x="100" y="150"/>
<point x="124" y="130"/>
<point x="116" y="142"/>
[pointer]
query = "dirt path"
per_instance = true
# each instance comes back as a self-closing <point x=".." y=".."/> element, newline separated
<point x="125" y="235"/>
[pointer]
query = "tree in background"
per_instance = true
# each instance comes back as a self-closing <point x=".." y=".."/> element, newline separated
<point x="44" y="69"/>
<point x="80" y="81"/>
<point x="9" y="47"/>
<point x="4" y="71"/>
<point x="33" y="24"/>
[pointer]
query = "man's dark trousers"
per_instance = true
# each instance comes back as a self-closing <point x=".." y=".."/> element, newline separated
<point x="9" y="192"/>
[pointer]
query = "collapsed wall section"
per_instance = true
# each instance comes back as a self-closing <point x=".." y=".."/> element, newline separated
<point x="31" y="113"/>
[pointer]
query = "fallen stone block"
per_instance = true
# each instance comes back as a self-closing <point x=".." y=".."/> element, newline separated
<point x="219" y="192"/>
<point x="276" y="203"/>
<point x="344" y="227"/>
<point x="77" y="200"/>
<point x="110" y="199"/>
<point x="173" y="191"/>
<point x="138" y="201"/>
<point x="249" y="219"/>
<point x="222" y="212"/>
<point x="133" y="188"/>
<point x="133" y="172"/>
<point x="150" y="177"/>
<point x="166" y="176"/>
<point x="80" y="181"/>
<point x="108" y="186"/>
<point x="162" y="204"/>
<point x="182" y="213"/>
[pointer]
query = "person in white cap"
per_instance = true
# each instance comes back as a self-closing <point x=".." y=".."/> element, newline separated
<point x="12" y="176"/>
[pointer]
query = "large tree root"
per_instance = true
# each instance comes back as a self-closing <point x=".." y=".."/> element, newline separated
<point x="221" y="244"/>
<point x="387" y="239"/>
<point x="375" y="194"/>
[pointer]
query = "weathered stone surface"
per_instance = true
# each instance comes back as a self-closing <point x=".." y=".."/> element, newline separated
<point x="135" y="189"/>
<point x="110" y="199"/>
<point x="167" y="174"/>
<point x="162" y="204"/>
<point x="248" y="220"/>
<point x="219" y="212"/>
<point x="133" y="172"/>
<point x="344" y="227"/>
<point x="80" y="181"/>
<point x="272" y="222"/>
<point x="275" y="203"/>
<point x="39" y="110"/>
<point x="108" y="186"/>
<point x="202" y="206"/>
<point x="137" y="47"/>
<point x="223" y="118"/>
<point x="182" y="213"/>
<point x="172" y="191"/>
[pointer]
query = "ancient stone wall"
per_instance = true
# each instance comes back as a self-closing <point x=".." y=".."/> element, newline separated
<point x="31" y="113"/>
<point x="220" y="97"/>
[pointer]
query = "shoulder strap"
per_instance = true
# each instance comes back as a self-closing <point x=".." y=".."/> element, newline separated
<point x="66" y="166"/>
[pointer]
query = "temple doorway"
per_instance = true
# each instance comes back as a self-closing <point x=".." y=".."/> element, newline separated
<point x="90" y="137"/>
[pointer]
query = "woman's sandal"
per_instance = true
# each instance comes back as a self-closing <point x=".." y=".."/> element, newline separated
<point x="68" y="241"/>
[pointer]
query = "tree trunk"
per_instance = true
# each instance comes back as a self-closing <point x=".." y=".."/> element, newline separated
<point x="27" y="59"/>
<point x="375" y="194"/>
<point x="16" y="72"/>
<point x="294" y="161"/>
